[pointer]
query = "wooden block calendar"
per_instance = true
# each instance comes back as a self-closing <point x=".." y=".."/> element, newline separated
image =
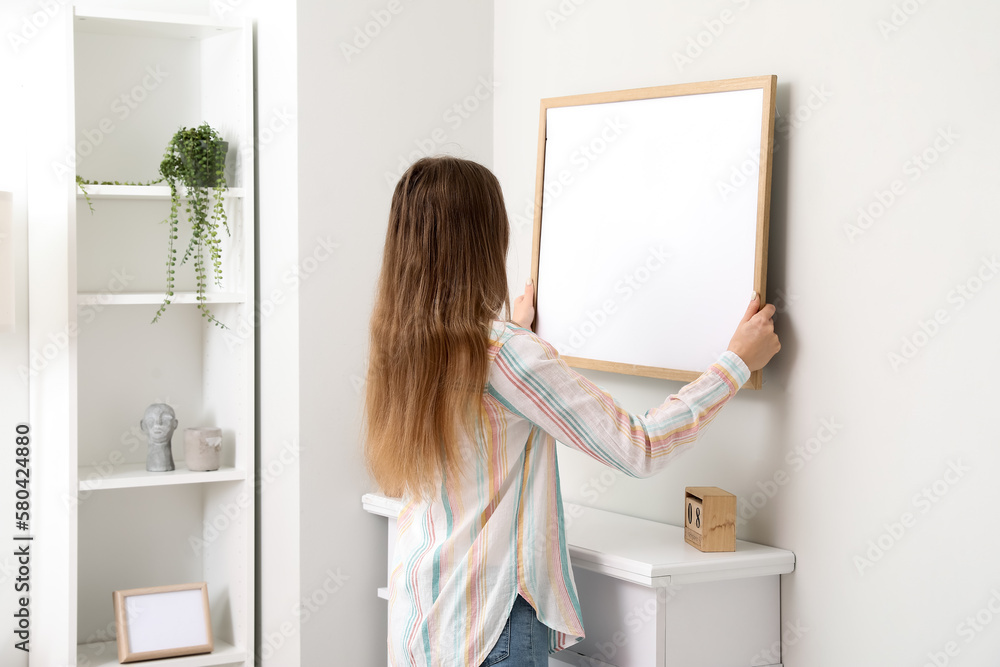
<point x="709" y="518"/>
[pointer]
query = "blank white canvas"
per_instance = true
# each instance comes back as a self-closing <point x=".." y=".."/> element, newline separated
<point x="643" y="191"/>
<point x="166" y="620"/>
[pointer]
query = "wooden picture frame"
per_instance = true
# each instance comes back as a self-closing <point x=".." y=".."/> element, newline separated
<point x="163" y="622"/>
<point x="596" y="211"/>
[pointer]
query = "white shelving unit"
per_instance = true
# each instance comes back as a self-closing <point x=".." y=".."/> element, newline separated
<point x="135" y="79"/>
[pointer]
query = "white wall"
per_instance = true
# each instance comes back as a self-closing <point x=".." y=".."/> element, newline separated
<point x="360" y="116"/>
<point x="865" y="104"/>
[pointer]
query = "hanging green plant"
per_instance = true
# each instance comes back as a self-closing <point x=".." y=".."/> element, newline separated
<point x="195" y="158"/>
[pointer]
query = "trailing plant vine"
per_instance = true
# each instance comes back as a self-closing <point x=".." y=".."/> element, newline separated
<point x="82" y="183"/>
<point x="195" y="158"/>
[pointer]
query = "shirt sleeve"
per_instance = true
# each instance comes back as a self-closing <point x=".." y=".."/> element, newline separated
<point x="533" y="381"/>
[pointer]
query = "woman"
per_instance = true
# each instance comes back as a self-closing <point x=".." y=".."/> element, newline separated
<point x="463" y="407"/>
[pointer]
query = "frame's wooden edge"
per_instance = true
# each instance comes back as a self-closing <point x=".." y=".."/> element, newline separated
<point x="648" y="371"/>
<point x="121" y="632"/>
<point x="631" y="369"/>
<point x="168" y="653"/>
<point x="764" y="210"/>
<point x="126" y="655"/>
<point x="671" y="90"/>
<point x="170" y="588"/>
<point x="536" y="231"/>
<point x="208" y="617"/>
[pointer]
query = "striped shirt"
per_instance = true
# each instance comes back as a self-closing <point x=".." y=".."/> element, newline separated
<point x="462" y="558"/>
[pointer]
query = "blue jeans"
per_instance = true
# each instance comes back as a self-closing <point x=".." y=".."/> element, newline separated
<point x="524" y="641"/>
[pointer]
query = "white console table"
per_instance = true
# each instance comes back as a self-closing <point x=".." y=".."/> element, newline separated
<point x="650" y="599"/>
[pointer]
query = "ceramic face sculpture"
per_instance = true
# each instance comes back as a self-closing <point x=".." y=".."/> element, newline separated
<point x="158" y="424"/>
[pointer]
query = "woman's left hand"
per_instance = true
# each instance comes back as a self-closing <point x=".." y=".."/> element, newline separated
<point x="524" y="307"/>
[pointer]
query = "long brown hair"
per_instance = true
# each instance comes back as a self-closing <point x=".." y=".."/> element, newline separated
<point x="443" y="281"/>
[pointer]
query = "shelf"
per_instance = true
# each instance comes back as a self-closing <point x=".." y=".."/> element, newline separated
<point x="135" y="23"/>
<point x="154" y="298"/>
<point x="105" y="654"/>
<point x="570" y="658"/>
<point x="645" y="552"/>
<point x="134" y="475"/>
<point x="383" y="592"/>
<point x="140" y="192"/>
<point x="385" y="506"/>
<point x="655" y="554"/>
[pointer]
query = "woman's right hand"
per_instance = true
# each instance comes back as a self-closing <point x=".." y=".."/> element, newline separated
<point x="755" y="341"/>
<point x="523" y="311"/>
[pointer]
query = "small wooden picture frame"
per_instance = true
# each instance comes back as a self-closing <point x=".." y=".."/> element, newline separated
<point x="709" y="518"/>
<point x="162" y="622"/>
